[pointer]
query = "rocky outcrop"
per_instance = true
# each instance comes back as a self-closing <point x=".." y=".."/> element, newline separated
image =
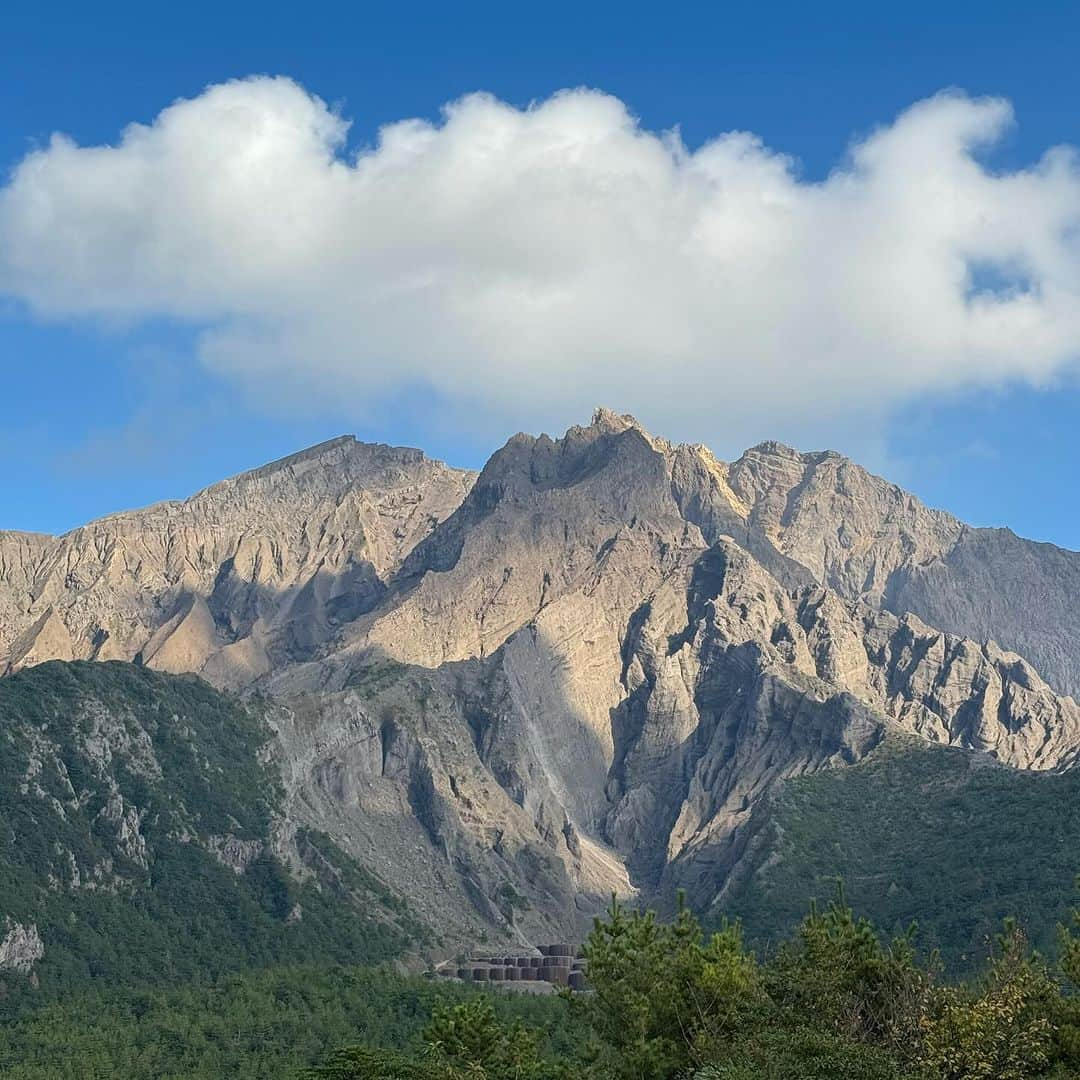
<point x="994" y="584"/>
<point x="580" y="672"/>
<point x="850" y="529"/>
<point x="869" y="540"/>
<point x="392" y="769"/>
<point x="21" y="947"/>
<point x="235" y="853"/>
<point x="244" y="577"/>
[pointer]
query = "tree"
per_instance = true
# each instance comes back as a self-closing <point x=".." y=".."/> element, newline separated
<point x="1003" y="1032"/>
<point x="1067" y="1012"/>
<point x="839" y="975"/>
<point x="366" y="1063"/>
<point x="472" y="1045"/>
<point x="662" y="998"/>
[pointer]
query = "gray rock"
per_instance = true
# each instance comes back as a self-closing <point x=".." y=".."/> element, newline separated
<point x="869" y="540"/>
<point x="21" y="947"/>
<point x="250" y="574"/>
<point x="580" y="672"/>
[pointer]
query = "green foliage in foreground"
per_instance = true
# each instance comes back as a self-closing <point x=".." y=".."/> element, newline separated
<point x="262" y="1024"/>
<point x="920" y="833"/>
<point x="835" y="1003"/>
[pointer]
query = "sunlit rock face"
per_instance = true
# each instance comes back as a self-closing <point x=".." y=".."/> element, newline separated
<point x="579" y="672"/>
<point x="242" y="578"/>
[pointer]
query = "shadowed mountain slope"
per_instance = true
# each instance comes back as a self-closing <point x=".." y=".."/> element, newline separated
<point x="582" y="671"/>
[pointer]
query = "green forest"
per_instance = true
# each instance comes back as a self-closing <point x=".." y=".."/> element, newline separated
<point x="668" y="1002"/>
<point x="919" y="833"/>
<point x="85" y="747"/>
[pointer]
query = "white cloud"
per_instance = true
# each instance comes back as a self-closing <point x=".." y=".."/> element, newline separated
<point x="528" y="263"/>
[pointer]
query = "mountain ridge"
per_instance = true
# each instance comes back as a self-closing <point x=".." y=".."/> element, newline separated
<point x="580" y="671"/>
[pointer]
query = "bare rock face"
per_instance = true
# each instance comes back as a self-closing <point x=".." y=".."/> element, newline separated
<point x="869" y="540"/>
<point x="391" y="768"/>
<point x="510" y="551"/>
<point x="21" y="947"/>
<point x="248" y="575"/>
<point x="994" y="584"/>
<point x="235" y="853"/>
<point x="852" y="530"/>
<point x="722" y="703"/>
<point x="580" y="672"/>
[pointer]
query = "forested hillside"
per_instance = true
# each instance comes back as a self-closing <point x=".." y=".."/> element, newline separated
<point x="263" y="1024"/>
<point x="920" y="833"/>
<point x="139" y="841"/>
<point x="667" y="1003"/>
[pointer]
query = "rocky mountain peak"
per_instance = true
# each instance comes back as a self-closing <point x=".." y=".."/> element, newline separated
<point x="773" y="448"/>
<point x="610" y="420"/>
<point x="585" y="667"/>
<point x="243" y="576"/>
<point x="338" y="447"/>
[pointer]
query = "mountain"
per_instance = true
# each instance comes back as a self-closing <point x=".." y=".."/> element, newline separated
<point x="868" y="539"/>
<point x="250" y="574"/>
<point x="141" y="837"/>
<point x="592" y="668"/>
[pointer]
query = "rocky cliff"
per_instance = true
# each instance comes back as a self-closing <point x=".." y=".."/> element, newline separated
<point x="868" y="539"/>
<point x="581" y="671"/>
<point x="244" y="577"/>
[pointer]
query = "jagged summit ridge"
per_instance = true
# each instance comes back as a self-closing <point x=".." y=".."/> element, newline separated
<point x="604" y="417"/>
<point x="236" y="579"/>
<point x="800" y="512"/>
<point x="582" y="670"/>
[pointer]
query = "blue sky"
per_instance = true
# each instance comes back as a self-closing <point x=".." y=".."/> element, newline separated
<point x="107" y="408"/>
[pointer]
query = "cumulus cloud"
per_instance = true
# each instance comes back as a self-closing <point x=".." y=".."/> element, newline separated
<point x="528" y="263"/>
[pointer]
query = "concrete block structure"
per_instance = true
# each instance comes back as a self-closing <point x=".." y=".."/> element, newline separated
<point x="558" y="965"/>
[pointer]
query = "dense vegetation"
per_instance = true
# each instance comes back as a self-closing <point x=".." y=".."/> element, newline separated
<point x="926" y="834"/>
<point x="834" y="1003"/>
<point x="116" y="783"/>
<point x="259" y="1024"/>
